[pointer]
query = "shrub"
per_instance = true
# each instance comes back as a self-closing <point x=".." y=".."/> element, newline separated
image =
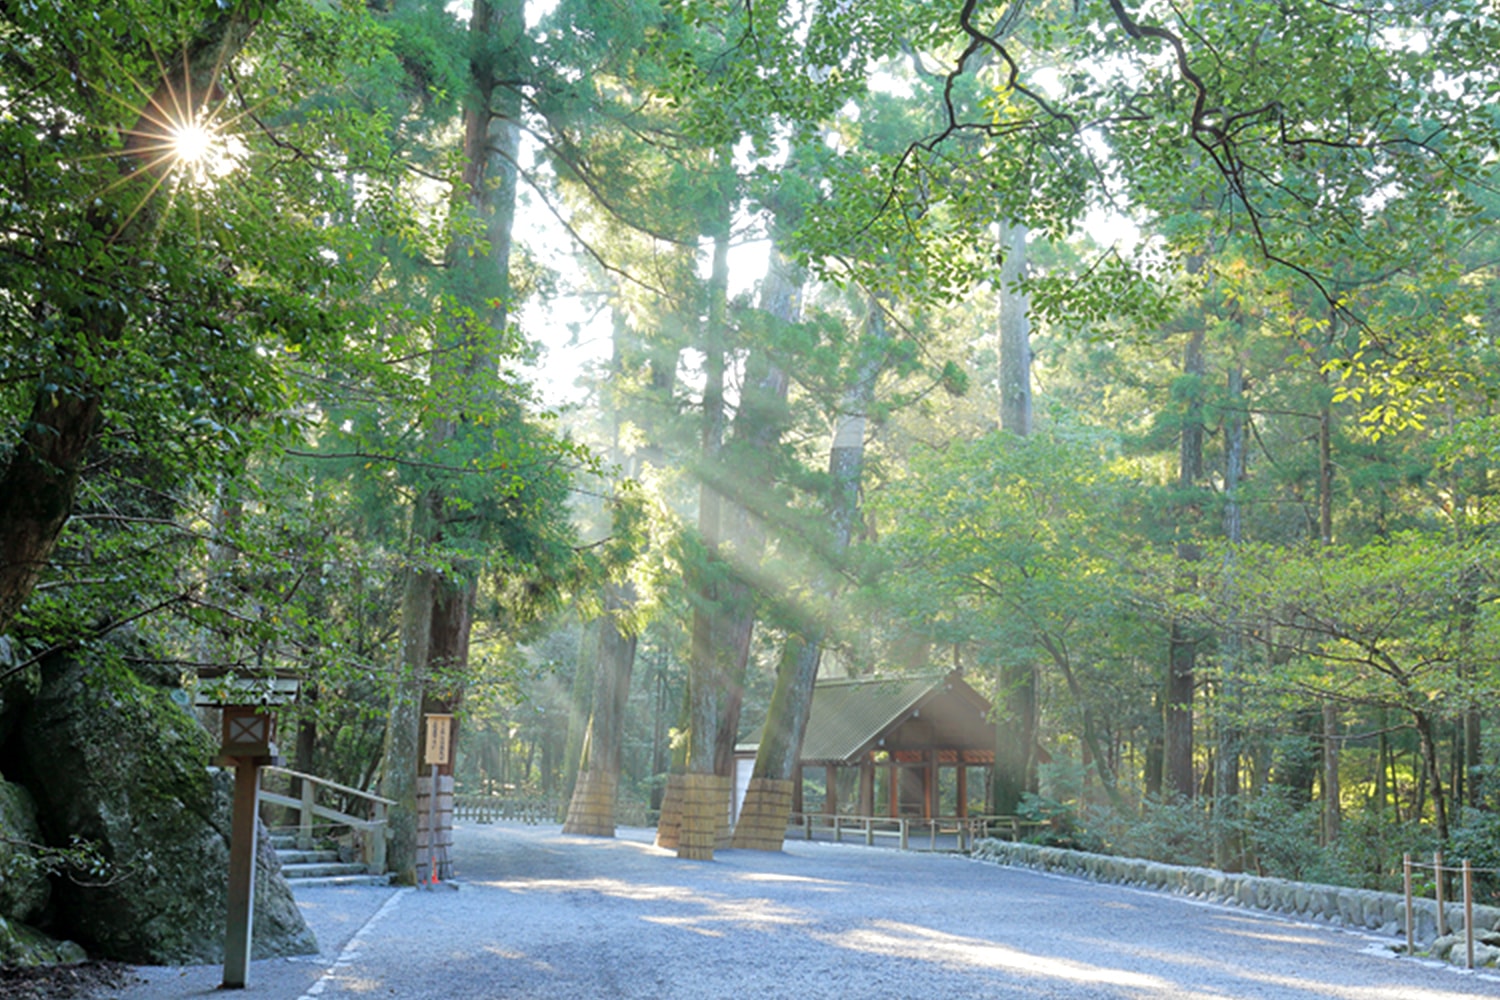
<point x="1477" y="838"/>
<point x="1175" y="832"/>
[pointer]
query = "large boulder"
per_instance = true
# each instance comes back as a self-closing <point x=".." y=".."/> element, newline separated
<point x="24" y="885"/>
<point x="113" y="761"/>
<point x="24" y="888"/>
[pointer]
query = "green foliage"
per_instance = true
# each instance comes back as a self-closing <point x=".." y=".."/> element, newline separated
<point x="1476" y="839"/>
<point x="1173" y="832"/>
<point x="81" y="862"/>
<point x="1058" y="808"/>
<point x="1281" y="837"/>
<point x="178" y="300"/>
<point x="1374" y="624"/>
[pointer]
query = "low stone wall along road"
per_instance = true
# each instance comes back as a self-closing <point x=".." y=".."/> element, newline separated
<point x="552" y="917"/>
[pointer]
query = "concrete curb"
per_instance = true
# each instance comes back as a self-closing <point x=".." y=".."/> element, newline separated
<point x="1362" y="909"/>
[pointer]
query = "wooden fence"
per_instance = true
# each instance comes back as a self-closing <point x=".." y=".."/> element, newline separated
<point x="482" y="808"/>
<point x="1466" y="873"/>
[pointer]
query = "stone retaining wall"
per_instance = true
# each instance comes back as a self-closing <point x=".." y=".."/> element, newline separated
<point x="1363" y="909"/>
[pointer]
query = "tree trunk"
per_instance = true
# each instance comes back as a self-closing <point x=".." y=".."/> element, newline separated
<point x="1298" y="757"/>
<point x="1182" y="651"/>
<point x="1432" y="770"/>
<point x="746" y="475"/>
<point x="1475" y="789"/>
<point x="402" y="743"/>
<point x="606" y="661"/>
<point x="768" y="800"/>
<point x="1380" y="796"/>
<point x="709" y="674"/>
<point x="1093" y="749"/>
<point x="759" y="425"/>
<point x="1332" y="807"/>
<point x="1226" y="804"/>
<point x="1016" y="729"/>
<point x="1325" y="470"/>
<point x="1332" y="815"/>
<point x="592" y="810"/>
<point x="1152" y="767"/>
<point x="580" y="705"/>
<point x="36" y="494"/>
<point x="669" y="825"/>
<point x="1015" y="336"/>
<point x="660" y="752"/>
<point x="1467" y="789"/>
<point x="438" y="635"/>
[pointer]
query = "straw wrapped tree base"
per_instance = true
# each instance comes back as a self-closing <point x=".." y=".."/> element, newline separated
<point x="705" y="799"/>
<point x="670" y="823"/>
<point x="764" y="815"/>
<point x="592" y="811"/>
<point x="724" y="824"/>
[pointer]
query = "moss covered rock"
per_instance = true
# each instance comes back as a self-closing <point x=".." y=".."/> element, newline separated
<point x="23" y="945"/>
<point x="23" y="879"/>
<point x="112" y="760"/>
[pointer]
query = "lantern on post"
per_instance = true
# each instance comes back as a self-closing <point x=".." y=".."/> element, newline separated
<point x="248" y="745"/>
<point x="248" y="734"/>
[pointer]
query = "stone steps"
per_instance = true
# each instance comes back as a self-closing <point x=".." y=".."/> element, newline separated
<point x="292" y="856"/>
<point x="308" y="868"/>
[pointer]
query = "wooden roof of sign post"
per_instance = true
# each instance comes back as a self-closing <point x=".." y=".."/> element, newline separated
<point x="901" y="715"/>
<point x="217" y="687"/>
<point x="246" y="701"/>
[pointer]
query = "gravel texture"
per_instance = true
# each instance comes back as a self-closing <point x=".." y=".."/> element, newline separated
<point x="541" y="915"/>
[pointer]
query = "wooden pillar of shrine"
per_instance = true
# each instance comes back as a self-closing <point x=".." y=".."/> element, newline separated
<point x="932" y="792"/>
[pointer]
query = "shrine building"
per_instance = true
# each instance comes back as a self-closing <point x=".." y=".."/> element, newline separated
<point x="918" y="746"/>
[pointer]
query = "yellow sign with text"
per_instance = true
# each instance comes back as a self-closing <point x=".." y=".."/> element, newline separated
<point x="439" y="740"/>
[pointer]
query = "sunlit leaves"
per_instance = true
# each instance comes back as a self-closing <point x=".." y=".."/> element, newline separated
<point x="1389" y="623"/>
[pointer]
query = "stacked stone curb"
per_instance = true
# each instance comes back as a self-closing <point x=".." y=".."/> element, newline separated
<point x="1360" y="909"/>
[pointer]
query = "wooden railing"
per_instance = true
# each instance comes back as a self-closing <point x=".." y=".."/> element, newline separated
<point x="372" y="828"/>
<point x="908" y="829"/>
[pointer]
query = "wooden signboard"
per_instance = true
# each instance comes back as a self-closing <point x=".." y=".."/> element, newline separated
<point x="438" y="743"/>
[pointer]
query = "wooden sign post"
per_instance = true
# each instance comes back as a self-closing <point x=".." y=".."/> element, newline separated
<point x="437" y="750"/>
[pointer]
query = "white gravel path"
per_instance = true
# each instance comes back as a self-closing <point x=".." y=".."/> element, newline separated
<point x="549" y="917"/>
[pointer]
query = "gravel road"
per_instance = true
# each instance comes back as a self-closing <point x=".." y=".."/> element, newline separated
<point x="540" y="915"/>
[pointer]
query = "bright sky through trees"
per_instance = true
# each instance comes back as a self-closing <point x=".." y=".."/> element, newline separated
<point x="191" y="143"/>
